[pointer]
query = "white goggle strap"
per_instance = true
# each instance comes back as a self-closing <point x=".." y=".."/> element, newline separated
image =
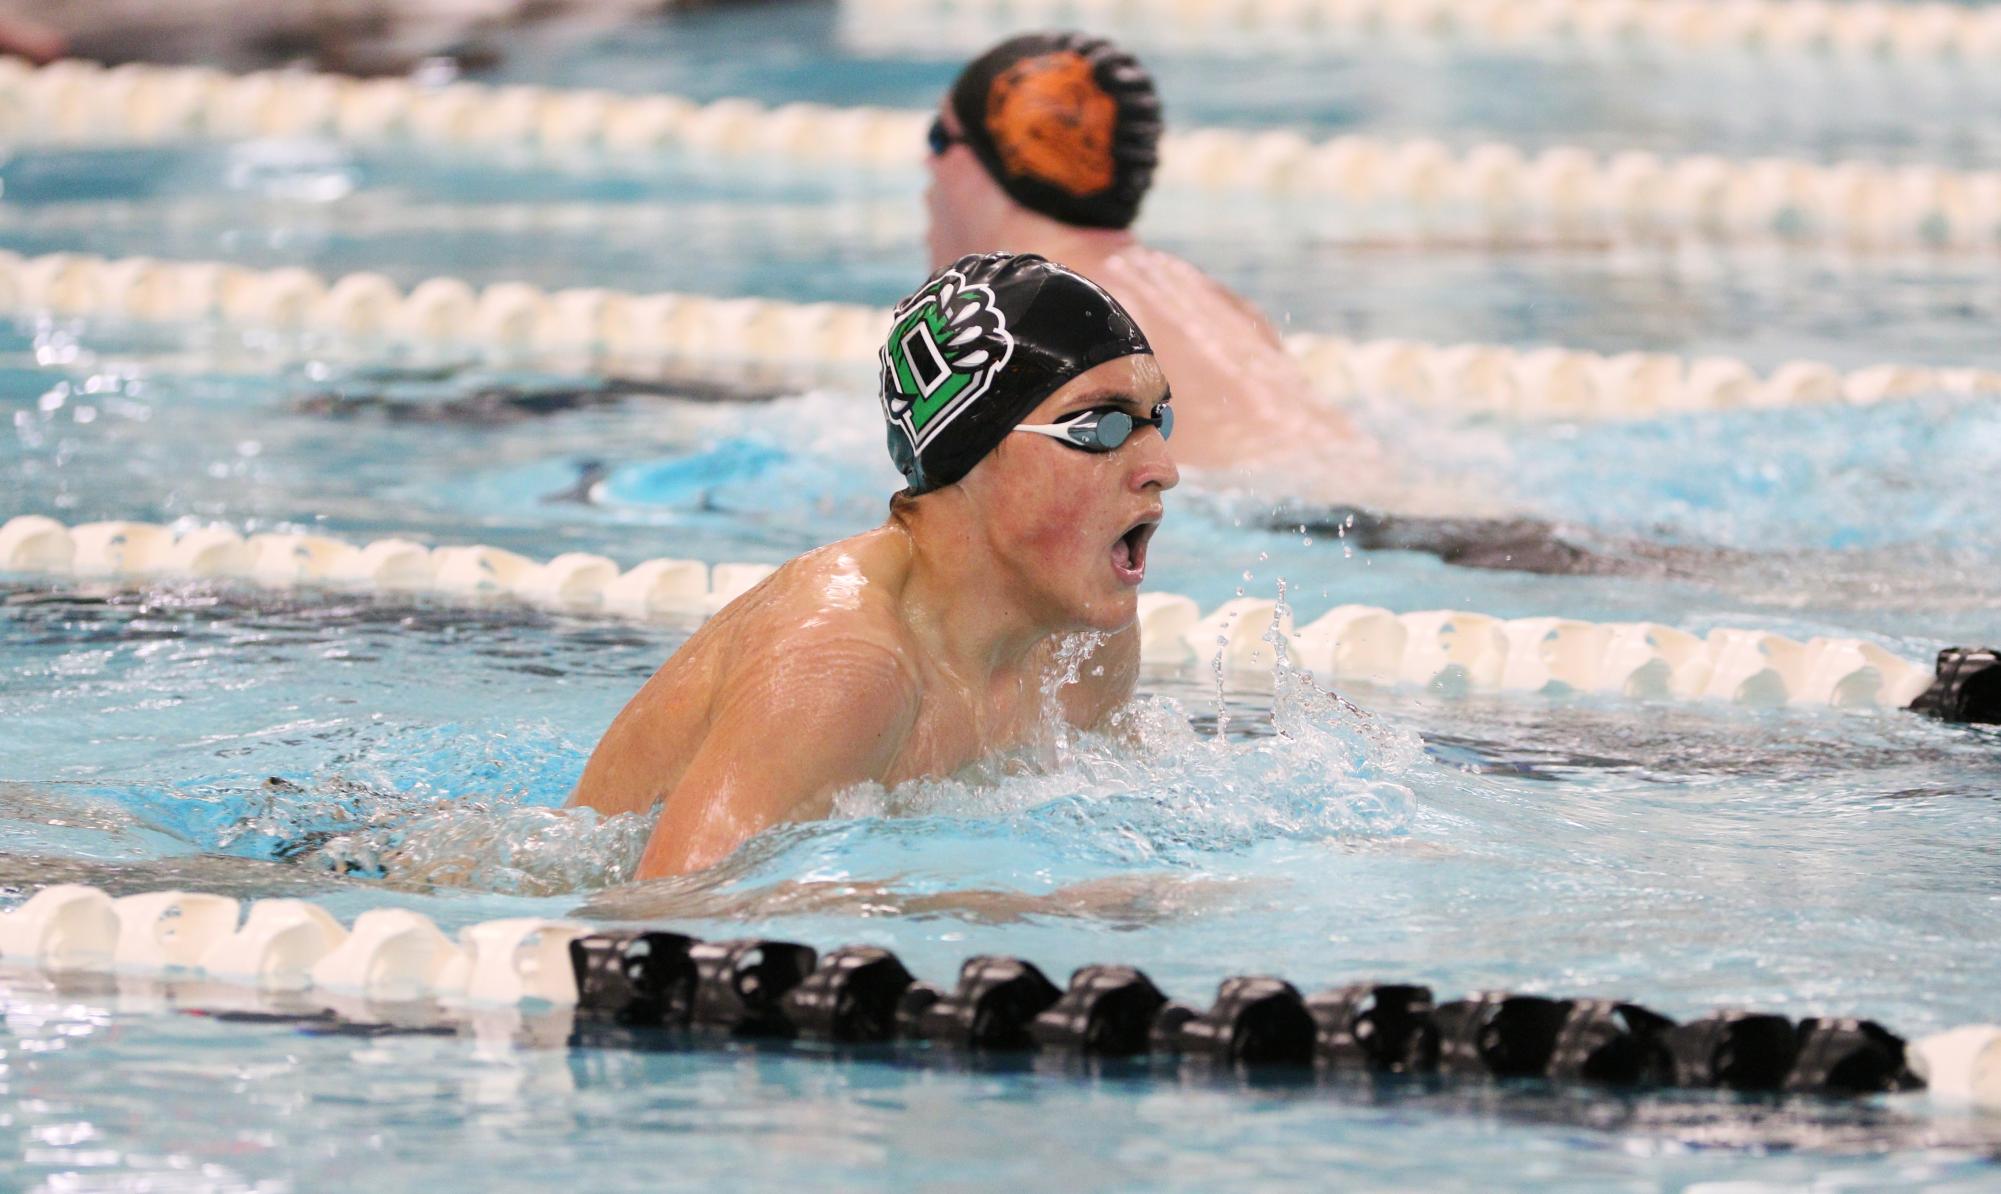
<point x="1066" y="430"/>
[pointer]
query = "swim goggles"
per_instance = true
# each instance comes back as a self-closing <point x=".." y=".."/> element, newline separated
<point x="941" y="138"/>
<point x="1102" y="428"/>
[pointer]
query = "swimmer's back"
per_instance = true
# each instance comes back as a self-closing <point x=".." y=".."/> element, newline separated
<point x="1231" y="375"/>
<point x="824" y="621"/>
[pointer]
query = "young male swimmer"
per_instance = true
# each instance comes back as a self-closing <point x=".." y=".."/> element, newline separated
<point x="1030" y="419"/>
<point x="1047" y="144"/>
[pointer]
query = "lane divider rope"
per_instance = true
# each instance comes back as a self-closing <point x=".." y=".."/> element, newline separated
<point x="76" y="101"/>
<point x="662" y="588"/>
<point x="1566" y="383"/>
<point x="1456" y="651"/>
<point x="629" y="331"/>
<point x="1928" y="33"/>
<point x="1417" y="189"/>
<point x="628" y="986"/>
<point x="507" y="317"/>
<point x="1449" y="651"/>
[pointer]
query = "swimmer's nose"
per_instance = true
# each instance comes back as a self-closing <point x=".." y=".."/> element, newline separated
<point x="1153" y="465"/>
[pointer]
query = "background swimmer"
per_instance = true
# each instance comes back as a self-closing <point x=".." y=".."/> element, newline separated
<point x="935" y="639"/>
<point x="1047" y="144"/>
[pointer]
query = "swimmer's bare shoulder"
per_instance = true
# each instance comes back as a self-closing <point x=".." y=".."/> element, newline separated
<point x="1159" y="278"/>
<point x="805" y="685"/>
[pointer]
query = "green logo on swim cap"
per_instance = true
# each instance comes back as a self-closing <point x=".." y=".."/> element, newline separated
<point x="946" y="344"/>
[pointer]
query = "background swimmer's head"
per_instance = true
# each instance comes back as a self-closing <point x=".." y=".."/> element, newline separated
<point x="998" y="339"/>
<point x="1059" y="123"/>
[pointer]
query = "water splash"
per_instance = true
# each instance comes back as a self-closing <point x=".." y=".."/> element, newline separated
<point x="1071" y="651"/>
<point x="417" y="839"/>
<point x="1391" y="747"/>
<point x="1146" y="787"/>
<point x="500" y="847"/>
<point x="1150" y="788"/>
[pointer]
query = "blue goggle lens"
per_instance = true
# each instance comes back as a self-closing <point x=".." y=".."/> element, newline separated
<point x="1114" y="427"/>
<point x="940" y="137"/>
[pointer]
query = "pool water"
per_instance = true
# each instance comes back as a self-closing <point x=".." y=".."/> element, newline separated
<point x="373" y="752"/>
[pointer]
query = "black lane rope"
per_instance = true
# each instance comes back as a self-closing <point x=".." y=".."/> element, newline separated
<point x="648" y="981"/>
<point x="1966" y="687"/>
<point x="1731" y="1078"/>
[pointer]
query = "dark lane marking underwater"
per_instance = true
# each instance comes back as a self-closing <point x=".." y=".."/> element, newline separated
<point x="498" y="404"/>
<point x="1506" y="544"/>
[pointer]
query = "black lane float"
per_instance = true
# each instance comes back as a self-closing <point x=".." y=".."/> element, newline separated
<point x="859" y="996"/>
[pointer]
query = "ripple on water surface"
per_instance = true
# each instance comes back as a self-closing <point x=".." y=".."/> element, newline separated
<point x="1680" y="854"/>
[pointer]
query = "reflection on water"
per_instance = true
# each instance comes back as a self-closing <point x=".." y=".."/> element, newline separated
<point x="214" y="1090"/>
<point x="1128" y="901"/>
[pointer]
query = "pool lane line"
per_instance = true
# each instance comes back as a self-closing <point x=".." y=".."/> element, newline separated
<point x="1418" y="190"/>
<point x="567" y="983"/>
<point x="1776" y="31"/>
<point x="1444" y="651"/>
<point x="635" y="335"/>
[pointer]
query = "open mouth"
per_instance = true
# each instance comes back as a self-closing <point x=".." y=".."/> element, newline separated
<point x="1129" y="550"/>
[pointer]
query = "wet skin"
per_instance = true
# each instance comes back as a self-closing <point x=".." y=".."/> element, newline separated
<point x="1245" y="401"/>
<point x="906" y="651"/>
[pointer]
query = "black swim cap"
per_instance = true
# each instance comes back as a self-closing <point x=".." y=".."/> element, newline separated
<point x="1068" y="125"/>
<point x="978" y="346"/>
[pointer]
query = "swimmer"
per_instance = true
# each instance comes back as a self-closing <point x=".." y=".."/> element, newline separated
<point x="1029" y="417"/>
<point x="1047" y="144"/>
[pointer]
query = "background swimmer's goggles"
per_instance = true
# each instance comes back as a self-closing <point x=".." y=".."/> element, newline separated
<point x="1102" y="428"/>
<point x="941" y="138"/>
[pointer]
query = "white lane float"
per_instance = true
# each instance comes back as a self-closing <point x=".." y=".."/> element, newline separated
<point x="1449" y="651"/>
<point x="815" y="339"/>
<point x="276" y="947"/>
<point x="481" y="569"/>
<point x="284" y="559"/>
<point x="161" y="931"/>
<point x="1935" y="34"/>
<point x="660" y="587"/>
<point x="505" y="962"/>
<point x="1492" y="190"/>
<point x="392" y="955"/>
<point x="62" y="928"/>
<point x="1961" y="1065"/>
<point x="31" y="543"/>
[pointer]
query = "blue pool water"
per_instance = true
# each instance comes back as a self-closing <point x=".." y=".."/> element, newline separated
<point x="1737" y="105"/>
<point x="219" y="738"/>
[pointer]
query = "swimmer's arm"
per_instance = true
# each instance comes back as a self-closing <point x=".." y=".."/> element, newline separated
<point x="783" y="739"/>
<point x="1105" y="681"/>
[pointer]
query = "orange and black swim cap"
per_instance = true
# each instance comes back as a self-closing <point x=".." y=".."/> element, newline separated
<point x="1068" y="125"/>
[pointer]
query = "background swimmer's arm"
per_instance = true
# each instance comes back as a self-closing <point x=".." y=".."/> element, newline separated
<point x="1104" y="681"/>
<point x="788" y="731"/>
